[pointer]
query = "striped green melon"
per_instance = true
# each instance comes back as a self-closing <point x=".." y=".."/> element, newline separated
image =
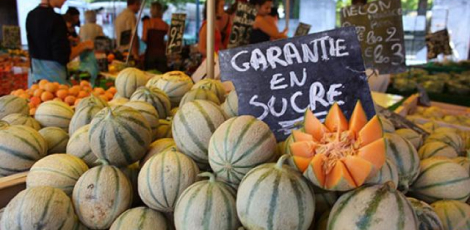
<point x="387" y="125"/>
<point x="175" y="87"/>
<point x="55" y="114"/>
<point x="164" y="129"/>
<point x="117" y="101"/>
<point x="149" y="112"/>
<point x="463" y="161"/>
<point x="388" y="172"/>
<point x="275" y="196"/>
<point x="157" y="98"/>
<point x="164" y="177"/>
<point x="91" y="101"/>
<point x="83" y="116"/>
<point x="79" y="146"/>
<point x="437" y="148"/>
<point x="20" y="147"/>
<point x="239" y="145"/>
<point x="157" y="147"/>
<point x="412" y="136"/>
<point x="132" y="173"/>
<point x="377" y="207"/>
<point x="428" y="219"/>
<point x="199" y="94"/>
<point x="429" y="126"/>
<point x="22" y="119"/>
<point x="230" y="106"/>
<point x="439" y="179"/>
<point x="174" y="111"/>
<point x="213" y="85"/>
<point x="153" y="81"/>
<point x="175" y="73"/>
<point x="324" y="201"/>
<point x="56" y="139"/>
<point x="207" y="204"/>
<point x="39" y="208"/>
<point x="454" y="215"/>
<point x="450" y="138"/>
<point x="12" y="104"/>
<point x="128" y="80"/>
<point x="119" y="136"/>
<point x="193" y="127"/>
<point x="141" y="218"/>
<point x="58" y="170"/>
<point x="101" y="195"/>
<point x="402" y="153"/>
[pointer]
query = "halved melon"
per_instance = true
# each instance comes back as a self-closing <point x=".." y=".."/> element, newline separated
<point x="339" y="155"/>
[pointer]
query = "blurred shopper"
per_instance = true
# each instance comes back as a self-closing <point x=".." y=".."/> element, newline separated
<point x="125" y="27"/>
<point x="220" y="41"/>
<point x="154" y="31"/>
<point x="90" y="30"/>
<point x="263" y="29"/>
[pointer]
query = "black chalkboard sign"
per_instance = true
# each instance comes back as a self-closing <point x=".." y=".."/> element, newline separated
<point x="11" y="37"/>
<point x="175" y="39"/>
<point x="126" y="37"/>
<point x="400" y="122"/>
<point x="242" y="25"/>
<point x="278" y="81"/>
<point x="380" y="30"/>
<point x="302" y="29"/>
<point x="438" y="43"/>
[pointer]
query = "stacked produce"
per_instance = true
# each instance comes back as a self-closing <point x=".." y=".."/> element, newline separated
<point x="166" y="153"/>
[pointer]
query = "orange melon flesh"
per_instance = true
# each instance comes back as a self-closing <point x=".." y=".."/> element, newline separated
<point x="358" y="119"/>
<point x="302" y="163"/>
<point x="317" y="167"/>
<point x="313" y="126"/>
<point x="359" y="168"/>
<point x="338" y="176"/>
<point x="335" y="120"/>
<point x="371" y="132"/>
<point x="303" y="149"/>
<point x="301" y="136"/>
<point x="374" y="153"/>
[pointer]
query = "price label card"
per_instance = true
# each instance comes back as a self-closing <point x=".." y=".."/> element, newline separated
<point x="302" y="29"/>
<point x="278" y="81"/>
<point x="175" y="38"/>
<point x="242" y="25"/>
<point x="11" y="37"/>
<point x="438" y="43"/>
<point x="379" y="28"/>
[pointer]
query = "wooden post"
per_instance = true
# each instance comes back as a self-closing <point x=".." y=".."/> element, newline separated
<point x="287" y="10"/>
<point x="210" y="38"/>
<point x="134" y="34"/>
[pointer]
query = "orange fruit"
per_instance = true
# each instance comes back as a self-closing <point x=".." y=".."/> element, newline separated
<point x="38" y="93"/>
<point x="32" y="111"/>
<point x="109" y="95"/>
<point x="47" y="96"/>
<point x="74" y="91"/>
<point x="63" y="87"/>
<point x="87" y="89"/>
<point x="42" y="83"/>
<point x="84" y="84"/>
<point x="13" y="93"/>
<point x="99" y="90"/>
<point x="82" y="94"/>
<point x="24" y="95"/>
<point x="70" y="100"/>
<point x="112" y="90"/>
<point x="56" y="84"/>
<point x="35" y="101"/>
<point x="34" y="87"/>
<point x="51" y="87"/>
<point x="62" y="93"/>
<point x="104" y="97"/>
<point x="31" y="105"/>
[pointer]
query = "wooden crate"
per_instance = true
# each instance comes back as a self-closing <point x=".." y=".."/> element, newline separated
<point x="10" y="186"/>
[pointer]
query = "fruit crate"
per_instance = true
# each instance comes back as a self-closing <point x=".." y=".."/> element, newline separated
<point x="10" y="186"/>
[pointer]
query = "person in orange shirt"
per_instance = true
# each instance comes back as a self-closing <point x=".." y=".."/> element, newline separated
<point x="154" y="31"/>
<point x="221" y="38"/>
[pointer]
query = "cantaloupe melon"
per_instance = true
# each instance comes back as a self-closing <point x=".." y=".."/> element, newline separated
<point x="275" y="196"/>
<point x="153" y="81"/>
<point x="175" y="87"/>
<point x="128" y="80"/>
<point x="193" y="127"/>
<point x="378" y="207"/>
<point x="441" y="179"/>
<point x="437" y="148"/>
<point x="239" y="145"/>
<point x="55" y="114"/>
<point x="118" y="101"/>
<point x="150" y="114"/>
<point x="157" y="147"/>
<point x="22" y="119"/>
<point x="463" y="161"/>
<point x="428" y="219"/>
<point x="402" y="153"/>
<point x="387" y="125"/>
<point x="164" y="129"/>
<point x="12" y="104"/>
<point x="20" y="147"/>
<point x="213" y="85"/>
<point x="79" y="146"/>
<point x="230" y="106"/>
<point x="157" y="98"/>
<point x="207" y="204"/>
<point x="339" y="155"/>
<point x="164" y="177"/>
<point x="450" y="138"/>
<point x="119" y="136"/>
<point x="454" y="215"/>
<point x="412" y="136"/>
<point x="91" y="101"/>
<point x="56" y="139"/>
<point x="39" y="208"/>
<point x="101" y="195"/>
<point x="199" y="94"/>
<point x="389" y="172"/>
<point x="83" y="116"/>
<point x="140" y="218"/>
<point x="58" y="170"/>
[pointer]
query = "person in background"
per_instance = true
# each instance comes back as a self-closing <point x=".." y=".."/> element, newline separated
<point x="224" y="23"/>
<point x="125" y="27"/>
<point x="153" y="34"/>
<point x="48" y="45"/>
<point x="90" y="30"/>
<point x="220" y="44"/>
<point x="263" y="29"/>
<point x="273" y="18"/>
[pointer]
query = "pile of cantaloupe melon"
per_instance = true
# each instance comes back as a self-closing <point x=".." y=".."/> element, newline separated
<point x="166" y="153"/>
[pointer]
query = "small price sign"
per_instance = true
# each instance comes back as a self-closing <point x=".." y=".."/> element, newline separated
<point x="242" y="25"/>
<point x="175" y="38"/>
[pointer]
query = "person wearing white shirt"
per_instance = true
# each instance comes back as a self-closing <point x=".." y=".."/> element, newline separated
<point x="125" y="27"/>
<point x="90" y="30"/>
